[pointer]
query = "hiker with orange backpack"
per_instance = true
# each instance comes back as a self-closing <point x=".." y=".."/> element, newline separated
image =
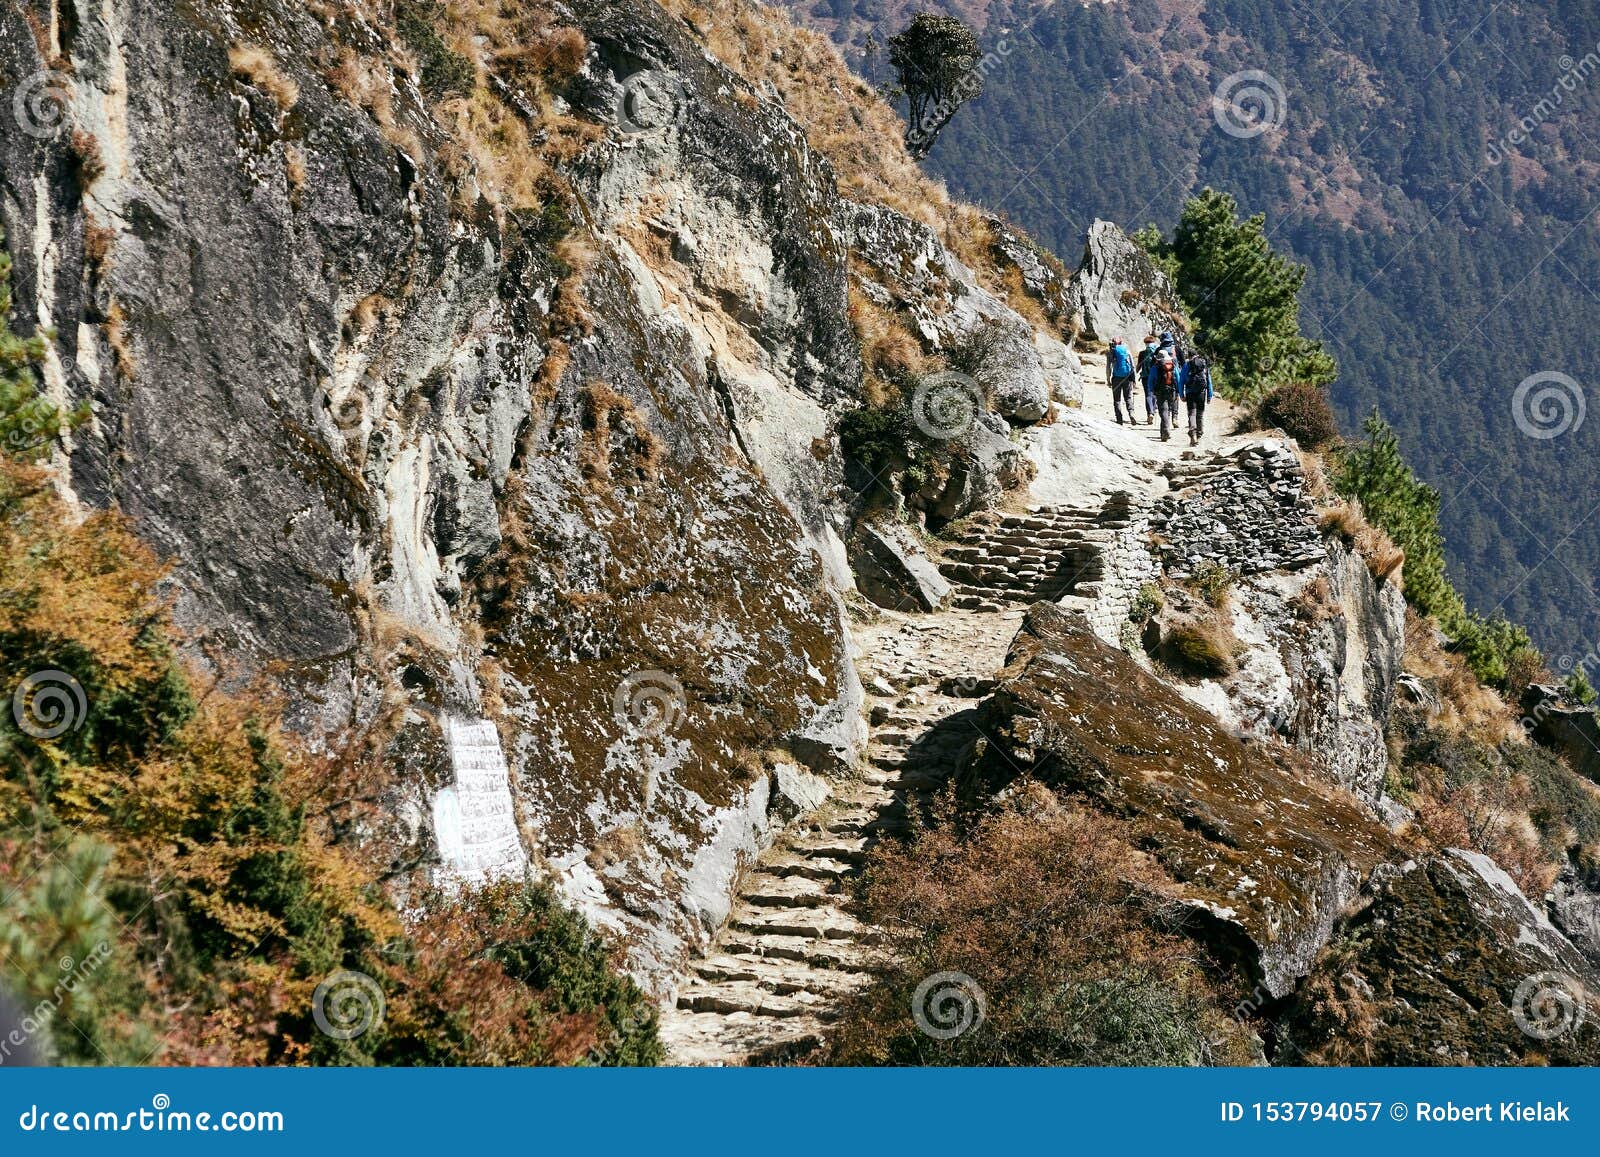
<point x="1162" y="385"/>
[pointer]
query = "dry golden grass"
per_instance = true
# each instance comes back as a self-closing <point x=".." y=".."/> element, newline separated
<point x="116" y="330"/>
<point x="294" y="173"/>
<point x="255" y="66"/>
<point x="888" y="346"/>
<point x="845" y="120"/>
<point x="1349" y="522"/>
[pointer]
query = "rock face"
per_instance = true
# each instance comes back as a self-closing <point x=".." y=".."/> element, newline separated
<point x="910" y="269"/>
<point x="1117" y="290"/>
<point x="1321" y="640"/>
<point x="1574" y="906"/>
<point x="1570" y="730"/>
<point x="418" y="465"/>
<point x="1447" y="964"/>
<point x="1265" y="855"/>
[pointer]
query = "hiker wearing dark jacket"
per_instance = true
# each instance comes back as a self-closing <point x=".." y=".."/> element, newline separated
<point x="1162" y="384"/>
<point x="1143" y="372"/>
<point x="1119" y="376"/>
<point x="1194" y="383"/>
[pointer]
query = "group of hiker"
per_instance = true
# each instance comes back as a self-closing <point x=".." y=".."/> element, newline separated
<point x="1168" y="371"/>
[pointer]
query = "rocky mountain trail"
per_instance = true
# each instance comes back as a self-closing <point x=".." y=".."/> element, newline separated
<point x="793" y="945"/>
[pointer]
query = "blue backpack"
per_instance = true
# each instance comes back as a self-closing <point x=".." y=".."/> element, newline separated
<point x="1121" y="361"/>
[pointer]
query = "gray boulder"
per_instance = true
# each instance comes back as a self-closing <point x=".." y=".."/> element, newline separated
<point x="1566" y="728"/>
<point x="892" y="569"/>
<point x="1117" y="290"/>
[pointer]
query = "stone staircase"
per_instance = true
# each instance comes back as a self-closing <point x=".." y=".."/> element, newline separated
<point x="1052" y="552"/>
<point x="793" y="945"/>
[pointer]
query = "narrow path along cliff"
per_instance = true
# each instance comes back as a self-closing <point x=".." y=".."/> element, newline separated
<point x="793" y="943"/>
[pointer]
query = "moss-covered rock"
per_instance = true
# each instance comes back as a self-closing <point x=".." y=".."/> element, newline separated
<point x="1449" y="964"/>
<point x="1265" y="853"/>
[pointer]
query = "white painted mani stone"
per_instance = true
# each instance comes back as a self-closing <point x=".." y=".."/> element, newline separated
<point x="473" y="819"/>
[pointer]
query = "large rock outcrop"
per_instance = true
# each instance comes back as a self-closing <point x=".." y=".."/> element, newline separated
<point x="1571" y="730"/>
<point x="1117" y="290"/>
<point x="1264" y="852"/>
<point x="416" y="464"/>
<point x="1320" y="638"/>
<point x="1447" y="963"/>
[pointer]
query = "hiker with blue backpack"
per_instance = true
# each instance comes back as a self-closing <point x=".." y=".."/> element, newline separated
<point x="1119" y="376"/>
<point x="1194" y="383"/>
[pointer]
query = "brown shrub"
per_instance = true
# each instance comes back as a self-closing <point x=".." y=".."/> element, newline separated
<point x="1052" y="915"/>
<point x="1302" y="412"/>
<point x="1200" y="647"/>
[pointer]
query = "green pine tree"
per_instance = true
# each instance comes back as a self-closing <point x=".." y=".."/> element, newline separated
<point x="1245" y="299"/>
<point x="1375" y="473"/>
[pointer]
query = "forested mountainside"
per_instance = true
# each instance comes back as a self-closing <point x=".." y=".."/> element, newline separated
<point x="1435" y="168"/>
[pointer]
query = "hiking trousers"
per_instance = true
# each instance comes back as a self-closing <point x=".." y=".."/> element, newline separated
<point x="1167" y="407"/>
<point x="1197" y="414"/>
<point x="1122" y="396"/>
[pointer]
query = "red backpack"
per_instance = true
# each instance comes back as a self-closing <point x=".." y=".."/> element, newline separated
<point x="1167" y="373"/>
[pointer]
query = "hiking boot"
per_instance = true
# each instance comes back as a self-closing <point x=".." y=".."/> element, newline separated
<point x="1149" y="420"/>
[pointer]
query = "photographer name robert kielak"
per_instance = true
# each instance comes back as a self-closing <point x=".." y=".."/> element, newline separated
<point x="1423" y="1112"/>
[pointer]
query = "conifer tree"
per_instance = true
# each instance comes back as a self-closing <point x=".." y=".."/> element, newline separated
<point x="1245" y="299"/>
<point x="936" y="59"/>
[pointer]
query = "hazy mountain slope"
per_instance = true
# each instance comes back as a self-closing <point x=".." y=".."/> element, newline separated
<point x="1440" y="278"/>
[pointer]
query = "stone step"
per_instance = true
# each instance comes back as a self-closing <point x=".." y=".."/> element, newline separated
<point x="815" y="952"/>
<point x="829" y="848"/>
<point x="716" y="1039"/>
<point x="810" y="867"/>
<point x="742" y="996"/>
<point x="809" y="923"/>
<point x="782" y="977"/>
